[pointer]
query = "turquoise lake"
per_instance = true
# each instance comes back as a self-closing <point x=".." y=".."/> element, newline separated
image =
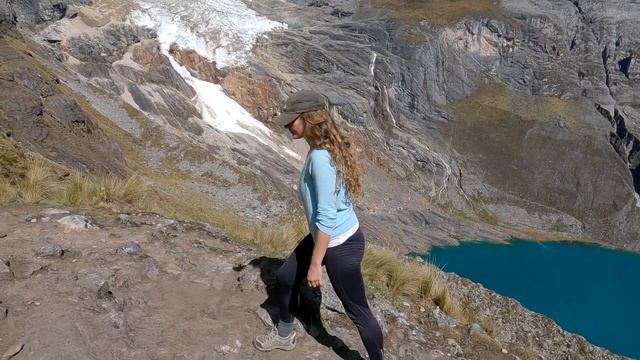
<point x="587" y="290"/>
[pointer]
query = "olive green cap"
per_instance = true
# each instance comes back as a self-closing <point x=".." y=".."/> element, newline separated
<point x="298" y="103"/>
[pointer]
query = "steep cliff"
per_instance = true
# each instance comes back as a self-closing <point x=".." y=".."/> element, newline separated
<point x="519" y="114"/>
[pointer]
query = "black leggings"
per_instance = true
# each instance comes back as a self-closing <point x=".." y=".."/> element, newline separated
<point x="343" y="267"/>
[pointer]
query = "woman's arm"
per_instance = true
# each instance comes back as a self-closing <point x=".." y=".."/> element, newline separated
<point x="314" y="275"/>
<point x="324" y="182"/>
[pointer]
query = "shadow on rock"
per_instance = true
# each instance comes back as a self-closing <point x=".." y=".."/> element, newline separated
<point x="305" y="305"/>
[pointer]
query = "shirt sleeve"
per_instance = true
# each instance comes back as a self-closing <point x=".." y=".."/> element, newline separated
<point x="324" y="175"/>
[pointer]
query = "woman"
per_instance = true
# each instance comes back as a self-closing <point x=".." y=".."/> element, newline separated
<point x="328" y="183"/>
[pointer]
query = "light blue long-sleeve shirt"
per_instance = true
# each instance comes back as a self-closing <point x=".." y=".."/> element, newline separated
<point x="326" y="209"/>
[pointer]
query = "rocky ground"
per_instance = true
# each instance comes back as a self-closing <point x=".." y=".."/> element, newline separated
<point x="99" y="284"/>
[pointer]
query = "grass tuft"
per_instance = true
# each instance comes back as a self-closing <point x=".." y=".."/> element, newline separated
<point x="85" y="190"/>
<point x="438" y="12"/>
<point x="38" y="183"/>
<point x="401" y="278"/>
<point x="42" y="183"/>
<point x="7" y="193"/>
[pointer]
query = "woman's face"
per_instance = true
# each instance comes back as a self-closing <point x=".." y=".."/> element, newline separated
<point x="296" y="127"/>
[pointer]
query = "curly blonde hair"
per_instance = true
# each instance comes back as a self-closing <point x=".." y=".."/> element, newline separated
<point x="323" y="133"/>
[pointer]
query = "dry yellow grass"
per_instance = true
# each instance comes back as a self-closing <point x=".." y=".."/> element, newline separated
<point x="86" y="190"/>
<point x="498" y="100"/>
<point x="38" y="183"/>
<point x="438" y="12"/>
<point x="7" y="193"/>
<point x="400" y="278"/>
<point x="43" y="182"/>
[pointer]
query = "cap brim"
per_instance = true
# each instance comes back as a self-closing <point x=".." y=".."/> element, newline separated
<point x="285" y="118"/>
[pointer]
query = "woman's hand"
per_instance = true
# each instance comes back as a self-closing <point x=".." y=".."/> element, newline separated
<point x="314" y="276"/>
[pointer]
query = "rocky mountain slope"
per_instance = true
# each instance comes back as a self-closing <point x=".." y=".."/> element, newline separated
<point x="501" y="118"/>
<point x="98" y="284"/>
<point x="511" y="115"/>
<point x="473" y="120"/>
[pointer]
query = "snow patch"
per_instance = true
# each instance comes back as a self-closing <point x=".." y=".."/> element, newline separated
<point x="222" y="31"/>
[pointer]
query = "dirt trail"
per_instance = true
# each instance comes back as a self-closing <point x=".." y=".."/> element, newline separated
<point x="97" y="284"/>
<point x="175" y="297"/>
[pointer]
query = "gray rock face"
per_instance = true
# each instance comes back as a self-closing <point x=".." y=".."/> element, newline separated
<point x="7" y="22"/>
<point x="35" y="11"/>
<point x="552" y="118"/>
<point x="43" y="120"/>
<point x="110" y="45"/>
<point x="49" y="249"/>
<point x="66" y="111"/>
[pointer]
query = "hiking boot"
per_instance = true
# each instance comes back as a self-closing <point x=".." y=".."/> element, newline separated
<point x="265" y="318"/>
<point x="272" y="341"/>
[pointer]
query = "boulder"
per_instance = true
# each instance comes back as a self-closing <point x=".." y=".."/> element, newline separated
<point x="77" y="222"/>
<point x="132" y="248"/>
<point x="49" y="249"/>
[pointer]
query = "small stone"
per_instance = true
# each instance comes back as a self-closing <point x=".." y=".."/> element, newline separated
<point x="173" y="269"/>
<point x="132" y="248"/>
<point x="126" y="220"/>
<point x="406" y="304"/>
<point x="76" y="222"/>
<point x="46" y="219"/>
<point x="31" y="218"/>
<point x="12" y="351"/>
<point x="422" y="309"/>
<point x="118" y="320"/>
<point x="72" y="12"/>
<point x="456" y="349"/>
<point x="225" y="349"/>
<point x="443" y="319"/>
<point x="52" y="35"/>
<point x="104" y="292"/>
<point x="153" y="271"/>
<point x="505" y="351"/>
<point x="49" y="249"/>
<point x="4" y="312"/>
<point x="475" y="329"/>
